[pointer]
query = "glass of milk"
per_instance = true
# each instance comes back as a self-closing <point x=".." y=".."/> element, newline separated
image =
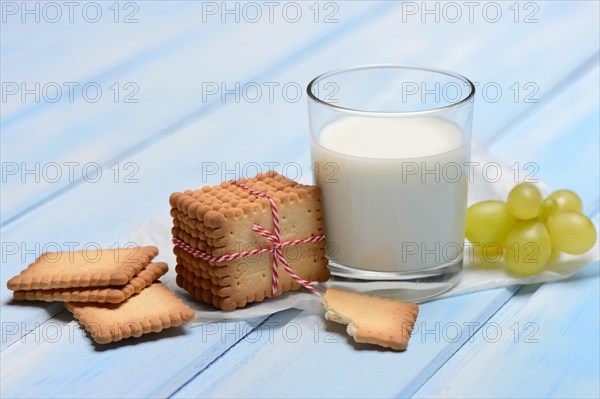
<point x="390" y="148"/>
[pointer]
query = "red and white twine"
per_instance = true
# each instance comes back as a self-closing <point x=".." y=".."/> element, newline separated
<point x="274" y="237"/>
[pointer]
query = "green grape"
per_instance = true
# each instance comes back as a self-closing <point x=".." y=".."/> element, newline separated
<point x="491" y="250"/>
<point x="488" y="256"/>
<point x="524" y="201"/>
<point x="571" y="232"/>
<point x="488" y="222"/>
<point x="549" y="206"/>
<point x="528" y="248"/>
<point x="567" y="200"/>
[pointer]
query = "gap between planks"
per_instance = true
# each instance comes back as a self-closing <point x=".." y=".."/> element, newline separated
<point x="211" y="106"/>
<point x="554" y="92"/>
<point x="216" y="359"/>
<point x="279" y="66"/>
<point x="438" y="362"/>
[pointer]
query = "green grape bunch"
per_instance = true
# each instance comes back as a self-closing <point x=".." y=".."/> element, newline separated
<point x="527" y="230"/>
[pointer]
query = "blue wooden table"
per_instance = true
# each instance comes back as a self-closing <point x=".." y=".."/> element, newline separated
<point x="108" y="107"/>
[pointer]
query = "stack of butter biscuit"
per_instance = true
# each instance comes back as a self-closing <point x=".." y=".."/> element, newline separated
<point x="112" y="292"/>
<point x="218" y="220"/>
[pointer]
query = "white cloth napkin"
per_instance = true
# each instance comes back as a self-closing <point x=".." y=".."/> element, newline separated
<point x="473" y="278"/>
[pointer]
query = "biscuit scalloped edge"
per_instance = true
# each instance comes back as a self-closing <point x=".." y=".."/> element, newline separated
<point x="81" y="280"/>
<point x="352" y="327"/>
<point x="133" y="329"/>
<point x="179" y="314"/>
<point x="97" y="294"/>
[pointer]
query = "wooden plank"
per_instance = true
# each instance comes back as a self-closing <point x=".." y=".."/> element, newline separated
<point x="72" y="220"/>
<point x="562" y="140"/>
<point x="286" y="352"/>
<point x="548" y="347"/>
<point x="213" y="382"/>
<point x="426" y="49"/>
<point x="82" y="47"/>
<point x="545" y="329"/>
<point x="181" y="170"/>
<point x="187" y="166"/>
<point x="251" y="125"/>
<point x="104" y="132"/>
<point x="59" y="360"/>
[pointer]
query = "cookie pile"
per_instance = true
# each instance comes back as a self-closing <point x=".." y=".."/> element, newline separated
<point x="112" y="292"/>
<point x="218" y="221"/>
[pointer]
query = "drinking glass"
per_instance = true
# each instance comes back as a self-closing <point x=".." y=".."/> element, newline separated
<point x="391" y="147"/>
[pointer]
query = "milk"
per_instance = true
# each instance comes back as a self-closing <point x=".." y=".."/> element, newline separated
<point x="394" y="191"/>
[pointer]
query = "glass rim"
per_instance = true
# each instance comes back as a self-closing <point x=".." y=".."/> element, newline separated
<point x="355" y="111"/>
